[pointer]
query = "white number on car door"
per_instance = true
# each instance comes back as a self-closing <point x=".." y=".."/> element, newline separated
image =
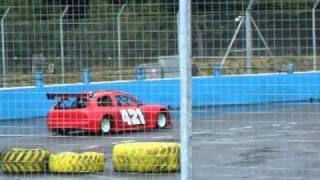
<point x="132" y="116"/>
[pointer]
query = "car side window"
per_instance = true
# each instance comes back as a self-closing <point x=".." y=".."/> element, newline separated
<point x="66" y="104"/>
<point x="105" y="101"/>
<point x="81" y="103"/>
<point x="124" y="100"/>
<point x="72" y="103"/>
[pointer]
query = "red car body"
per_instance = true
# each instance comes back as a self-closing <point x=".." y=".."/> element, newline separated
<point x="86" y="111"/>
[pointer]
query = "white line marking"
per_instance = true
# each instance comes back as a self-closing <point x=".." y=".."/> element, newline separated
<point x="123" y="142"/>
<point x="91" y="147"/>
<point x="162" y="137"/>
<point x="201" y="132"/>
<point x="240" y="128"/>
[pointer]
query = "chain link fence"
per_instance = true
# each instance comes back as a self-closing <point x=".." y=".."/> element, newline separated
<point x="253" y="115"/>
<point x="61" y="40"/>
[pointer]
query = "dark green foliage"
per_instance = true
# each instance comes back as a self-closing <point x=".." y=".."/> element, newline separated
<point x="77" y="9"/>
<point x="148" y="28"/>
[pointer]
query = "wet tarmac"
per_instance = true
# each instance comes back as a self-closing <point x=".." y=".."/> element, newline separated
<point x="265" y="141"/>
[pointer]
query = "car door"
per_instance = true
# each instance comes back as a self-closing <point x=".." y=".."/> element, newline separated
<point x="105" y="106"/>
<point x="130" y="116"/>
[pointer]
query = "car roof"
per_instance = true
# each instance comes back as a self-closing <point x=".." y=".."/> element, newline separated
<point x="85" y="94"/>
<point x="106" y="92"/>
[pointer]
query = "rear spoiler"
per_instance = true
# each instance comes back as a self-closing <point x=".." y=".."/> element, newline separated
<point x="66" y="95"/>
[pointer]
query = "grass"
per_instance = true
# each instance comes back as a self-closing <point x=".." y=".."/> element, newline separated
<point x="231" y="66"/>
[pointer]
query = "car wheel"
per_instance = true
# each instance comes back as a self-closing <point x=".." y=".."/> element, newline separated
<point x="105" y="125"/>
<point x="162" y="120"/>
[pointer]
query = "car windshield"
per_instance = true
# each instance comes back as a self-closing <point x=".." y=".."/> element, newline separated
<point x="71" y="103"/>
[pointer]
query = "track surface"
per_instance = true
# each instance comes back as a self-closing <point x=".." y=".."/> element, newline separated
<point x="269" y="141"/>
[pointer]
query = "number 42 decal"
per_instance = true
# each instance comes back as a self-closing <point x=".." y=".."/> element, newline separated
<point x="132" y="116"/>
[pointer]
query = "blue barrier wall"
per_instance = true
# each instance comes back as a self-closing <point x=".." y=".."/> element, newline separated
<point x="247" y="89"/>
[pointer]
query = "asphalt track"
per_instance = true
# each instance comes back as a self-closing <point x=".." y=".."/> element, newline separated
<point x="265" y="141"/>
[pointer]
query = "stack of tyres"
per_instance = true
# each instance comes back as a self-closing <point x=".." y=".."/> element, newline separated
<point x="148" y="157"/>
<point x="71" y="162"/>
<point x="18" y="160"/>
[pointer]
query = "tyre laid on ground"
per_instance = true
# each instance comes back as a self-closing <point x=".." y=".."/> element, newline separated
<point x="24" y="160"/>
<point x="70" y="162"/>
<point x="162" y="120"/>
<point x="149" y="157"/>
<point x="105" y="125"/>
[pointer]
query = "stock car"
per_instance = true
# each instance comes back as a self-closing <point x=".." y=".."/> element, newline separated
<point x="104" y="112"/>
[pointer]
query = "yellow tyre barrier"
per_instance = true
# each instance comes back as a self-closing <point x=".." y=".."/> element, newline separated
<point x="74" y="162"/>
<point x="24" y="160"/>
<point x="149" y="157"/>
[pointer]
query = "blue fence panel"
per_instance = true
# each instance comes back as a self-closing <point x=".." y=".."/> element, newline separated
<point x="223" y="90"/>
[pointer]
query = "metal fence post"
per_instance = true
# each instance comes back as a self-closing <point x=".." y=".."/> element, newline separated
<point x="62" y="43"/>
<point x="314" y="40"/>
<point x="232" y="40"/>
<point x="119" y="42"/>
<point x="178" y="30"/>
<point x="248" y="61"/>
<point x="186" y="88"/>
<point x="4" y="48"/>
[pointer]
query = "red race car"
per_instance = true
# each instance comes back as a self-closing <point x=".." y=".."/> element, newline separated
<point x="104" y="112"/>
